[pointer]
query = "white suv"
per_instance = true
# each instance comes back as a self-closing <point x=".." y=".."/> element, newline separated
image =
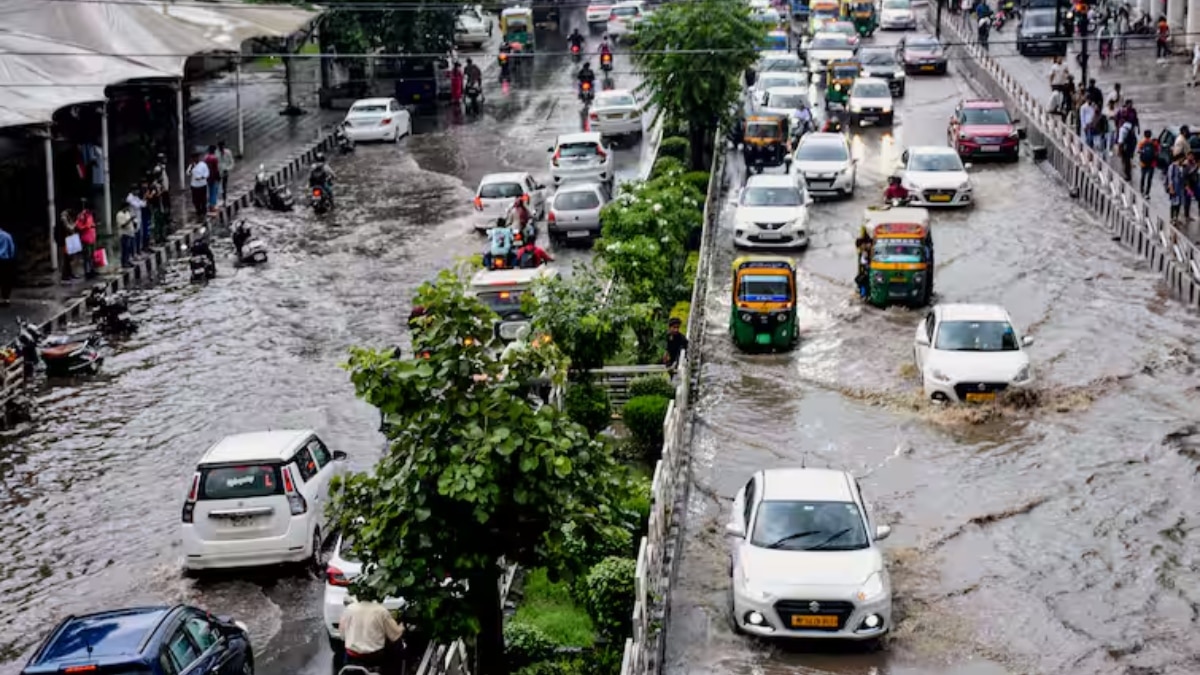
<point x="259" y="499"/>
<point x="581" y="157"/>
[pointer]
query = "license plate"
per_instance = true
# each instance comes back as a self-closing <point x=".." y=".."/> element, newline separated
<point x="927" y="67"/>
<point x="769" y="235"/>
<point x="940" y="198"/>
<point x="763" y="339"/>
<point x="976" y="397"/>
<point x="801" y="621"/>
<point x="616" y="116"/>
<point x="241" y="521"/>
<point x="991" y="148"/>
<point x="577" y="234"/>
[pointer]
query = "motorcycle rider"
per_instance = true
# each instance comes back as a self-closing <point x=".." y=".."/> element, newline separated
<point x="605" y="54"/>
<point x="804" y="120"/>
<point x="895" y="190"/>
<point x="576" y="39"/>
<point x="473" y="74"/>
<point x="586" y="74"/>
<point x="200" y="247"/>
<point x="372" y="637"/>
<point x="241" y="235"/>
<point x="833" y="124"/>
<point x="321" y="175"/>
<point x="531" y="255"/>
<point x="500" y="245"/>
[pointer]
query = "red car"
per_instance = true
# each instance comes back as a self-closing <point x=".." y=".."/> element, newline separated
<point x="983" y="128"/>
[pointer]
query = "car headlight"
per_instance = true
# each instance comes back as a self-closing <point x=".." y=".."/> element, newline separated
<point x="747" y="317"/>
<point x="965" y="187"/>
<point x="1014" y="134"/>
<point x="938" y="376"/>
<point x="887" y="109"/>
<point x="854" y="107"/>
<point x="899" y="73"/>
<point x="872" y="590"/>
<point x="1022" y="375"/>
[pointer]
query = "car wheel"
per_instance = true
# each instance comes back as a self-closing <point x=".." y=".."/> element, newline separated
<point x="733" y="623"/>
<point x="315" y="559"/>
<point x="248" y="665"/>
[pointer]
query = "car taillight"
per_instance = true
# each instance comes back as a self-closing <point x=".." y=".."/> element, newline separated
<point x="551" y="218"/>
<point x="525" y="198"/>
<point x="601" y="153"/>
<point x="385" y="121"/>
<point x="594" y="117"/>
<point x="295" y="499"/>
<point x="554" y="159"/>
<point x="336" y="577"/>
<point x="189" y="506"/>
<point x="478" y="204"/>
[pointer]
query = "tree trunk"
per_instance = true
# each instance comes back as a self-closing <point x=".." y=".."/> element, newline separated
<point x="699" y="135"/>
<point x="489" y="644"/>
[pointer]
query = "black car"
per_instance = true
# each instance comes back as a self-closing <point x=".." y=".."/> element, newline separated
<point x="1038" y="33"/>
<point x="883" y="63"/>
<point x="923" y="53"/>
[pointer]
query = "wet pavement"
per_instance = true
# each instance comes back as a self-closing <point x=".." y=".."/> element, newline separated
<point x="1048" y="535"/>
<point x="91" y="491"/>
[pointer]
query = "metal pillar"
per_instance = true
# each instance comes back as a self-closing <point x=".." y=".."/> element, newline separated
<point x="51" y="206"/>
<point x="183" y="157"/>
<point x="1193" y="23"/>
<point x="1175" y="13"/>
<point x="291" y="109"/>
<point x="108" y="210"/>
<point x="237" y="97"/>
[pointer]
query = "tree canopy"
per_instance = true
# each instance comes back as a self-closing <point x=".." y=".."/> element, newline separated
<point x="477" y="470"/>
<point x="415" y="30"/>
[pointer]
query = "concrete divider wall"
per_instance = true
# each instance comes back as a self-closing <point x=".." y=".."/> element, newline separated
<point x="1123" y="211"/>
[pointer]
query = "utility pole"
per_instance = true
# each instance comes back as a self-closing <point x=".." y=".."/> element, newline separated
<point x="1082" y="19"/>
<point x="937" y="27"/>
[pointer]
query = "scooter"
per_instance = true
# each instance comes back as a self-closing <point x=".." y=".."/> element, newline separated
<point x="575" y="53"/>
<point x="274" y="197"/>
<point x="585" y="93"/>
<point x="345" y="144"/>
<point x="606" y="62"/>
<point x="202" y="269"/>
<point x="249" y="251"/>
<point x="319" y="200"/>
<point x="504" y="65"/>
<point x="110" y="312"/>
<point x="474" y="98"/>
<point x="63" y="355"/>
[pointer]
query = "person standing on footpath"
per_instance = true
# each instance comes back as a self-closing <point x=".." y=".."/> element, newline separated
<point x="136" y="205"/>
<point x="1126" y="146"/>
<point x="677" y="342"/>
<point x="1182" y="145"/>
<point x="225" y="161"/>
<point x="1162" y="40"/>
<point x="214" y="177"/>
<point x="1176" y="187"/>
<point x="8" y="266"/>
<point x="85" y="225"/>
<point x="198" y="183"/>
<point x="127" y="227"/>
<point x="63" y="229"/>
<point x="1147" y="157"/>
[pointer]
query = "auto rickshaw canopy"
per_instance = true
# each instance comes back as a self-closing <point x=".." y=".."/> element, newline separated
<point x="843" y="72"/>
<point x="774" y="282"/>
<point x="765" y="129"/>
<point x="516" y="20"/>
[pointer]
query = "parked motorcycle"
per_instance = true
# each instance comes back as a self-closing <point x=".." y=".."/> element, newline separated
<point x="250" y="251"/>
<point x="474" y="98"/>
<point x="319" y="200"/>
<point x="345" y="144"/>
<point x="63" y="355"/>
<point x="267" y="196"/>
<point x="202" y="269"/>
<point x="110" y="312"/>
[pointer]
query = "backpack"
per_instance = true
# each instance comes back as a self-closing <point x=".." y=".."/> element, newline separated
<point x="1148" y="153"/>
<point x="318" y="177"/>
<point x="1130" y="144"/>
<point x="1100" y="124"/>
<point x="498" y="238"/>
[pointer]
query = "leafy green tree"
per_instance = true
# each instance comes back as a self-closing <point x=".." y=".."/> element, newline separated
<point x="476" y="471"/>
<point x="360" y="29"/>
<point x="691" y="56"/>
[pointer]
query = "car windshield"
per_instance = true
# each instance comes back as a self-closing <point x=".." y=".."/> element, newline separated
<point x="897" y="4"/>
<point x="843" y="27"/>
<point x="845" y="72"/>
<point x="822" y="152"/>
<point x="625" y="11"/>
<point x="878" y="57"/>
<point x="240" y="482"/>
<point x="500" y="190"/>
<point x="501" y="302"/>
<point x="831" y="42"/>
<point x="764" y="288"/>
<point x="923" y="45"/>
<point x="824" y="13"/>
<point x="976" y="336"/>
<point x="789" y="101"/>
<point x="782" y="66"/>
<point x="1038" y="20"/>
<point x="935" y="162"/>
<point x="985" y="116"/>
<point x="771" y="196"/>
<point x="615" y="99"/>
<point x="899" y="250"/>
<point x="809" y="526"/>
<point x="779" y="80"/>
<point x="576" y="201"/>
<point x="577" y="150"/>
<point x="763" y="130"/>
<point x="872" y="90"/>
<point x="368" y="108"/>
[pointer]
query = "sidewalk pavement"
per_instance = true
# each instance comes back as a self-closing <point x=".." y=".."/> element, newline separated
<point x="1159" y="91"/>
<point x="270" y="139"/>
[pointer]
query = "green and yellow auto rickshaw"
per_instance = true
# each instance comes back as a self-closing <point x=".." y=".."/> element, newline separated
<point x="901" y="261"/>
<point x="839" y="77"/>
<point x="763" y="315"/>
<point x="864" y="18"/>
<point x="765" y="141"/>
<point x="516" y="25"/>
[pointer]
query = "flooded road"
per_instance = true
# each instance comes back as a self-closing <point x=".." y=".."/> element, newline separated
<point x="1052" y="536"/>
<point x="91" y="492"/>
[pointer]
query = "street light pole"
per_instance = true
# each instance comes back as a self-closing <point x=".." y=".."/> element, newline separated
<point x="937" y="27"/>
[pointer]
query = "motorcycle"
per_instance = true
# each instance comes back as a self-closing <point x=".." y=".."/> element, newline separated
<point x="585" y="92"/>
<point x="274" y="197"/>
<point x="503" y="60"/>
<point x="999" y="21"/>
<point x="249" y="251"/>
<point x="474" y="94"/>
<point x="202" y="269"/>
<point x="110" y="313"/>
<point x="606" y="62"/>
<point x="345" y="144"/>
<point x="320" y="201"/>
<point x="575" y="53"/>
<point x="63" y="355"/>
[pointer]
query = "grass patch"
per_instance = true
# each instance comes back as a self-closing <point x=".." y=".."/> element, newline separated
<point x="272" y="61"/>
<point x="548" y="606"/>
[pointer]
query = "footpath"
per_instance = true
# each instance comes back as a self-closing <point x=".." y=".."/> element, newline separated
<point x="276" y="141"/>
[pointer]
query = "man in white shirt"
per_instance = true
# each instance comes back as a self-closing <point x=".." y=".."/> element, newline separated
<point x="372" y="637"/>
<point x="1087" y="115"/>
<point x="136" y="204"/>
<point x="225" y="161"/>
<point x="198" y="182"/>
<point x="1114" y="97"/>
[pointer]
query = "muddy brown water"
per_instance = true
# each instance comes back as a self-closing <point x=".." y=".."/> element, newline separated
<point x="1049" y="535"/>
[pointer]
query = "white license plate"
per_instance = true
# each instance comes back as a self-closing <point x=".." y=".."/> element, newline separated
<point x="769" y="235"/>
<point x="577" y="234"/>
<point x="616" y="116"/>
<point x="241" y="521"/>
<point x="991" y="148"/>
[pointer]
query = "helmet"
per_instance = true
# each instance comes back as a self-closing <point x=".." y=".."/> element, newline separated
<point x="319" y="157"/>
<point x="469" y="62"/>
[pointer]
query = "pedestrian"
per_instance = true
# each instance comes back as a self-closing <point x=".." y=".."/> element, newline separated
<point x="128" y="229"/>
<point x="136" y="205"/>
<point x="95" y="158"/>
<point x="225" y="162"/>
<point x="144" y="218"/>
<point x="1147" y="150"/>
<point x="456" y="83"/>
<point x="85" y="225"/>
<point x="1175" y="187"/>
<point x="1182" y="144"/>
<point x="1162" y="40"/>
<point x="1087" y="119"/>
<point x="1093" y="94"/>
<point x="1195" y="64"/>
<point x="1110" y="140"/>
<point x="214" y="177"/>
<point x="677" y="342"/>
<point x="8" y="266"/>
<point x="1100" y="133"/>
<point x="1191" y="185"/>
<point x="1129" y="114"/>
<point x="198" y="171"/>
<point x="1113" y="98"/>
<point x="1127" y="145"/>
<point x="64" y="229"/>
<point x="162" y="178"/>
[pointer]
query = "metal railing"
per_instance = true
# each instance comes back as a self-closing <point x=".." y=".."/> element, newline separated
<point x="1123" y="210"/>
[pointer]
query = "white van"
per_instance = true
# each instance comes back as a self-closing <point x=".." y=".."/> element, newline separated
<point x="259" y="499"/>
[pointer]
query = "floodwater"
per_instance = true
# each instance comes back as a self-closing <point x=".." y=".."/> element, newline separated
<point x="1049" y="536"/>
<point x="91" y="491"/>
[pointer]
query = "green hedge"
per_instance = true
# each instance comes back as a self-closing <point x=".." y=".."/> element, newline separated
<point x="697" y="179"/>
<point x="587" y="405"/>
<point x="677" y="147"/>
<point x="609" y="591"/>
<point x="644" y="417"/>
<point x="525" y="644"/>
<point x="651" y="385"/>
<point x="665" y="165"/>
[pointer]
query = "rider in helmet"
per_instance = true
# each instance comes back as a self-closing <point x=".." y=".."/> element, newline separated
<point x="833" y="123"/>
<point x="895" y="190"/>
<point x="586" y="74"/>
<point x="576" y="39"/>
<point x="200" y="248"/>
<point x="604" y="46"/>
<point x="321" y="175"/>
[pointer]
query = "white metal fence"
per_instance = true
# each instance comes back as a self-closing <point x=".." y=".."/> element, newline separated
<point x="1122" y="209"/>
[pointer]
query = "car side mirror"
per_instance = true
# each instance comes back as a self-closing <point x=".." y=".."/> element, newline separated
<point x="1026" y="341"/>
<point x="339" y="456"/>
<point x="968" y="166"/>
<point x="735" y="530"/>
<point x="923" y="340"/>
<point x="882" y="532"/>
<point x="904" y="157"/>
<point x="550" y="149"/>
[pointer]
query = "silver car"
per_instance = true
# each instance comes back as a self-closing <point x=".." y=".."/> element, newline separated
<point x="581" y="157"/>
<point x="574" y="212"/>
<point x="805" y="562"/>
<point x="616" y="113"/>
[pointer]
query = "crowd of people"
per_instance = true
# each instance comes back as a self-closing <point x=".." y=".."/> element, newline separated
<point x="208" y="178"/>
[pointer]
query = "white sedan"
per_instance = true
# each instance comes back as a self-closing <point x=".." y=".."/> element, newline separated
<point x="616" y="113"/>
<point x="472" y="27"/>
<point x="377" y="119"/>
<point x="936" y="176"/>
<point x="827" y="47"/>
<point x="772" y="212"/>
<point x="969" y="353"/>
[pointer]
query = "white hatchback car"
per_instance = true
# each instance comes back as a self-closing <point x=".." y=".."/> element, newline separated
<point x="259" y="499"/>
<point x="969" y="353"/>
<point x="870" y="100"/>
<point x="935" y="175"/>
<point x="615" y="114"/>
<point x="581" y="157"/>
<point x="823" y="163"/>
<point x="497" y="192"/>
<point x="897" y="15"/>
<point x="772" y="212"/>
<point x="776" y="79"/>
<point x="378" y="119"/>
<point x="805" y="562"/>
